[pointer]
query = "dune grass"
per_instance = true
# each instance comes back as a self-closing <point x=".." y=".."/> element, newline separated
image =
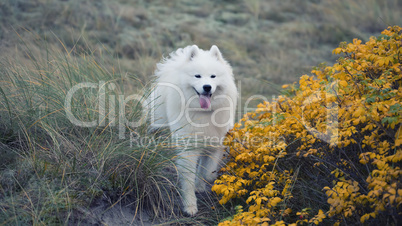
<point x="57" y="169"/>
<point x="64" y="158"/>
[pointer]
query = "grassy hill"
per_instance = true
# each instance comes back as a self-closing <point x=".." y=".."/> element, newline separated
<point x="267" y="42"/>
<point x="54" y="172"/>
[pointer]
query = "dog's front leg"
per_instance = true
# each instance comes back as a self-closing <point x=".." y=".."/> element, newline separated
<point x="187" y="165"/>
<point x="213" y="164"/>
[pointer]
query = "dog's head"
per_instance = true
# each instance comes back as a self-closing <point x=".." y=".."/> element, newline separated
<point x="207" y="74"/>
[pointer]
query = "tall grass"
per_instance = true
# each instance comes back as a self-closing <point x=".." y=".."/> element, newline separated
<point x="58" y="169"/>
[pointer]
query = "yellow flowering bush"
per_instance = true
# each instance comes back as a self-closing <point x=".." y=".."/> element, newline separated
<point x="326" y="151"/>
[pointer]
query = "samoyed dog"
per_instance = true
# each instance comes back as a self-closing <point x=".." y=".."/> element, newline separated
<point x="195" y="95"/>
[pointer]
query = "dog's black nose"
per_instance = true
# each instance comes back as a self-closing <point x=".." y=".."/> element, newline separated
<point x="207" y="88"/>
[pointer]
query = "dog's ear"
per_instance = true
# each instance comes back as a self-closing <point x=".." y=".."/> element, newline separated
<point x="216" y="53"/>
<point x="193" y="52"/>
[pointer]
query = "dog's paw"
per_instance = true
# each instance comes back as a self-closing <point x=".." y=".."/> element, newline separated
<point x="191" y="209"/>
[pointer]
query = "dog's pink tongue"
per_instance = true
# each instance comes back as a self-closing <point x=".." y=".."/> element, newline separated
<point x="205" y="101"/>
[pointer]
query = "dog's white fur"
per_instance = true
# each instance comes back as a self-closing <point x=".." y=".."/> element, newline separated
<point x="182" y="80"/>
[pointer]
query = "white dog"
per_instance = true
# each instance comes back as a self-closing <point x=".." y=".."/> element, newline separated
<point x="195" y="96"/>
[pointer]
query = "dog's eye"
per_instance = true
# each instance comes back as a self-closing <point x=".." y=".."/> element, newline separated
<point x="213" y="76"/>
<point x="197" y="76"/>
